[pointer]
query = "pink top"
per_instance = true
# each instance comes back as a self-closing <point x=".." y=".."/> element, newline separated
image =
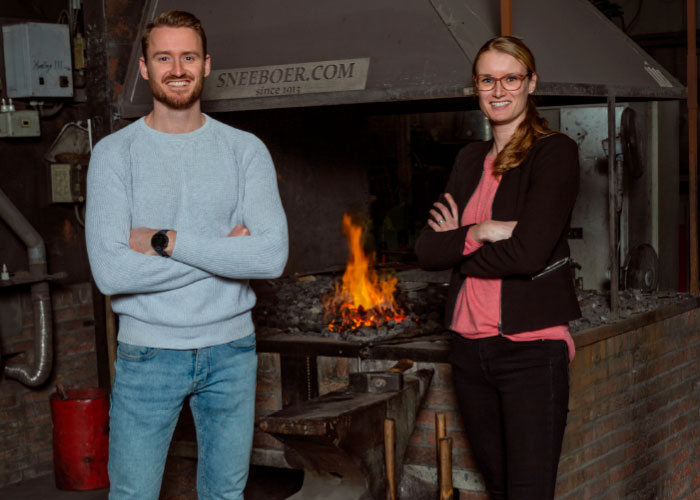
<point x="478" y="309"/>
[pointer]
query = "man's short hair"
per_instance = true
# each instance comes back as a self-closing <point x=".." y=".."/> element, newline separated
<point x="173" y="19"/>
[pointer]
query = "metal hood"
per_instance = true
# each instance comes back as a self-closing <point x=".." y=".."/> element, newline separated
<point x="276" y="53"/>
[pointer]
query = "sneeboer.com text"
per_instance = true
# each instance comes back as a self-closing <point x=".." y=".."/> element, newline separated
<point x="290" y="74"/>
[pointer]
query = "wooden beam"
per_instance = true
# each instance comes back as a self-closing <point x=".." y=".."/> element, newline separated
<point x="506" y="18"/>
<point x="692" y="84"/>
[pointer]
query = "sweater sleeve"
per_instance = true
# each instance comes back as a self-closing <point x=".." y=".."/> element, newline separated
<point x="262" y="254"/>
<point x="552" y="190"/>
<point x="116" y="268"/>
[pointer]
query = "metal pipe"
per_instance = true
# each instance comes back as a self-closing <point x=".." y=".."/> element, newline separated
<point x="506" y="18"/>
<point x="29" y="236"/>
<point x="692" y="83"/>
<point x="36" y="374"/>
<point x="612" y="210"/>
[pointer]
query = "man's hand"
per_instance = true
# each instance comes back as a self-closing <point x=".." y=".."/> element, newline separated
<point x="239" y="230"/>
<point x="140" y="240"/>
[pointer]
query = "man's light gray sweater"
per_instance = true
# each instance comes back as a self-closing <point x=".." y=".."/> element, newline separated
<point x="200" y="184"/>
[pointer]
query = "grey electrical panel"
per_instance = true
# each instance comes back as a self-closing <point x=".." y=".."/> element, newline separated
<point x="37" y="60"/>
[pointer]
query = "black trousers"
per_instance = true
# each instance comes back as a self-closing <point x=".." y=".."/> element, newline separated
<point x="513" y="397"/>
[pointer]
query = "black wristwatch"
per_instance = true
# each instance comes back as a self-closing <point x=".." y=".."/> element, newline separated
<point x="159" y="242"/>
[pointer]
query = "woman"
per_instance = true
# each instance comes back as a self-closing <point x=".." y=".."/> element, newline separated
<point x="501" y="227"/>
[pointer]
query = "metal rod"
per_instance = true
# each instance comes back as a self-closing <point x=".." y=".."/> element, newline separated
<point x="612" y="210"/>
<point x="692" y="83"/>
<point x="506" y="18"/>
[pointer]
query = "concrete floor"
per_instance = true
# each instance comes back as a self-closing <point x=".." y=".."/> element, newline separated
<point x="264" y="483"/>
<point x="44" y="488"/>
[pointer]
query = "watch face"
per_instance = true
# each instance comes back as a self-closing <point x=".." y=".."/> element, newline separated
<point x="159" y="241"/>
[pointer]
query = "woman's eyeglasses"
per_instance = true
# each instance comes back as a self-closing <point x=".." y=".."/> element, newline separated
<point x="508" y="82"/>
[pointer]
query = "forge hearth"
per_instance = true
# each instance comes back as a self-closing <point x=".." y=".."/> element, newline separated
<point x="295" y="305"/>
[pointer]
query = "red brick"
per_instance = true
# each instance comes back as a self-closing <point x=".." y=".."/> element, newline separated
<point x="60" y="300"/>
<point x="85" y="311"/>
<point x="418" y="437"/>
<point x="472" y="495"/>
<point x="75" y="337"/>
<point x="268" y="403"/>
<point x="268" y="384"/>
<point x="417" y="453"/>
<point x="439" y="399"/>
<point x="69" y="326"/>
<point x="7" y="401"/>
<point x="63" y="315"/>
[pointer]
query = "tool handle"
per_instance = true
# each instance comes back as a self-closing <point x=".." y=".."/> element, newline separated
<point x="440" y="432"/>
<point x="61" y="392"/>
<point x="445" y="480"/>
<point x="390" y="457"/>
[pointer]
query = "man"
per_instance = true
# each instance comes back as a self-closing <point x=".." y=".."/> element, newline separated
<point x="182" y="211"/>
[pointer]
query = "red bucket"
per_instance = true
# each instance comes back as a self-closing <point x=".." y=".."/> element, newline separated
<point x="80" y="439"/>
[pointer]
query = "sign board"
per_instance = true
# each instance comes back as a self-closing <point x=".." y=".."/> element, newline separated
<point x="286" y="79"/>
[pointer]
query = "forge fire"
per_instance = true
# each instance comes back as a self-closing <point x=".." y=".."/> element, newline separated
<point x="361" y="298"/>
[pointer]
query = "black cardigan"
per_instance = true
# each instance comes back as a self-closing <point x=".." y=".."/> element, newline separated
<point x="539" y="194"/>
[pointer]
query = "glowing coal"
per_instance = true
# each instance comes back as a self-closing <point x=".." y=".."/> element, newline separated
<point x="362" y="298"/>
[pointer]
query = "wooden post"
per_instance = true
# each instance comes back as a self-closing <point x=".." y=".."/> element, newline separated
<point x="390" y="457"/>
<point x="111" y="332"/>
<point x="506" y="18"/>
<point x="692" y="85"/>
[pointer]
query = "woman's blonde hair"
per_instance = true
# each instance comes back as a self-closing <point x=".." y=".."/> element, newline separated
<point x="533" y="127"/>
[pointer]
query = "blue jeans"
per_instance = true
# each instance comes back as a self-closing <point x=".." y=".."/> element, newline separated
<point x="150" y="386"/>
<point x="513" y="397"/>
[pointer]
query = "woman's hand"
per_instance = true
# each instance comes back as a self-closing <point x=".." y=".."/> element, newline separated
<point x="492" y="230"/>
<point x="444" y="218"/>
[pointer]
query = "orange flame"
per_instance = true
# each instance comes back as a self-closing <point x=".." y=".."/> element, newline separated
<point x="363" y="299"/>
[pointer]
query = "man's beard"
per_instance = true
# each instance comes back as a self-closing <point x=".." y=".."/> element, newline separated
<point x="177" y="102"/>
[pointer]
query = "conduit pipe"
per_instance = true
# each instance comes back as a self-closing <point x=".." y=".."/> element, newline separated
<point x="36" y="374"/>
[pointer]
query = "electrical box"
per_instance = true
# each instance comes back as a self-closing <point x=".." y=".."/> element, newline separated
<point x="37" y="60"/>
<point x="23" y="123"/>
<point x="67" y="183"/>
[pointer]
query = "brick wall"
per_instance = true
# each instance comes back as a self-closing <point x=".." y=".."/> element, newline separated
<point x="25" y="416"/>
<point x="633" y="428"/>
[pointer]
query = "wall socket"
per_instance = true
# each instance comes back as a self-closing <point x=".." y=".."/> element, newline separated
<point x="23" y="123"/>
